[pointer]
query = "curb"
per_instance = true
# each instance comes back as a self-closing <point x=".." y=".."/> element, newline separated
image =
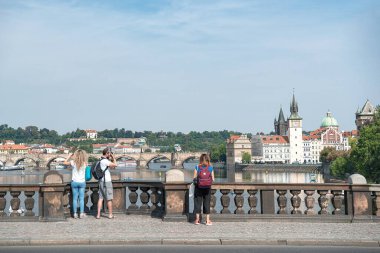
<point x="194" y="242"/>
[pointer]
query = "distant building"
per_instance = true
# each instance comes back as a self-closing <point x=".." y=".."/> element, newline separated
<point x="365" y="115"/>
<point x="98" y="148"/>
<point x="294" y="147"/>
<point x="8" y="142"/>
<point x="14" y="149"/>
<point x="91" y="134"/>
<point x="43" y="149"/>
<point x="236" y="146"/>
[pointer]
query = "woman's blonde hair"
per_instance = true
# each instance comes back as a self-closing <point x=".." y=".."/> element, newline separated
<point x="204" y="159"/>
<point x="80" y="158"/>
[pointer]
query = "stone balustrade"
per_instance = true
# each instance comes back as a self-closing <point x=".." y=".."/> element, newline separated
<point x="51" y="201"/>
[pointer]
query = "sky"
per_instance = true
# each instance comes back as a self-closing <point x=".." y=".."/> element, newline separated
<point x="186" y="65"/>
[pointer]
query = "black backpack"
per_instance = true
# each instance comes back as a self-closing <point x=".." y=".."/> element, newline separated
<point x="97" y="171"/>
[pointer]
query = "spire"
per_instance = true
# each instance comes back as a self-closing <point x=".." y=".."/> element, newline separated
<point x="294" y="108"/>
<point x="281" y="117"/>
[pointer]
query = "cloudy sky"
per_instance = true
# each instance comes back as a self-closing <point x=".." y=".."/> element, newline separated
<point x="186" y="65"/>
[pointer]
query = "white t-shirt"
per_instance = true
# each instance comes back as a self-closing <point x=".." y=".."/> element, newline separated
<point x="103" y="165"/>
<point x="78" y="175"/>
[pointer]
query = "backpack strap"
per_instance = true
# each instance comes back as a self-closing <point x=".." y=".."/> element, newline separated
<point x="104" y="177"/>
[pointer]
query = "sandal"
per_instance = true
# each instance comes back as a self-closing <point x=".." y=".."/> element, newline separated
<point x="111" y="217"/>
<point x="196" y="222"/>
<point x="208" y="223"/>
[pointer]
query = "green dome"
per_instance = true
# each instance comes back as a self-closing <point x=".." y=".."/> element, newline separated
<point x="329" y="121"/>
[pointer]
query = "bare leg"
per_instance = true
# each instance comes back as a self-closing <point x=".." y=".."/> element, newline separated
<point x="100" y="204"/>
<point x="109" y="205"/>
<point x="208" y="221"/>
<point x="197" y="218"/>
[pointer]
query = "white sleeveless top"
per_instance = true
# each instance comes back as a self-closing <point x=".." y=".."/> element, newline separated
<point x="78" y="175"/>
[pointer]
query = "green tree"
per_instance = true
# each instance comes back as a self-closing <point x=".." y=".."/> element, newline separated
<point x="218" y="153"/>
<point x="246" y="157"/>
<point x="365" y="156"/>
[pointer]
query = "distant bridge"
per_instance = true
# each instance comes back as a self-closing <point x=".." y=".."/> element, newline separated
<point x="142" y="159"/>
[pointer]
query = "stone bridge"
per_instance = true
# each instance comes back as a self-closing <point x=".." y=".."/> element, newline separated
<point x="142" y="159"/>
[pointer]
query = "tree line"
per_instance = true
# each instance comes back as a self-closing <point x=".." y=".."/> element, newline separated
<point x="207" y="141"/>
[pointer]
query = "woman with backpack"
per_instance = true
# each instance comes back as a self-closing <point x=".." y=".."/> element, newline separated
<point x="78" y="162"/>
<point x="203" y="178"/>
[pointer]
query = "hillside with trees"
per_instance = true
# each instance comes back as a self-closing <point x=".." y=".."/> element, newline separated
<point x="208" y="141"/>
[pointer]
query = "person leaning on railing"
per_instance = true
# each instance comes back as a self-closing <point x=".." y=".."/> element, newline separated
<point x="78" y="162"/>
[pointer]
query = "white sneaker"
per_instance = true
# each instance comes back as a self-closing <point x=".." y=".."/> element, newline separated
<point x="75" y="216"/>
<point x="82" y="215"/>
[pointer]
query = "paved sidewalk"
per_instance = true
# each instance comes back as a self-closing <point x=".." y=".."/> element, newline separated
<point x="132" y="229"/>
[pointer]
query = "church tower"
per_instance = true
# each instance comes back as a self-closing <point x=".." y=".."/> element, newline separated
<point x="281" y="125"/>
<point x="295" y="133"/>
<point x="366" y="115"/>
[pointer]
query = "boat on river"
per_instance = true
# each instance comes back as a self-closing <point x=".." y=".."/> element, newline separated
<point x="14" y="167"/>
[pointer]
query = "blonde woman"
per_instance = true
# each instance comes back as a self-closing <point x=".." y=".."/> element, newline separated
<point x="78" y="162"/>
<point x="203" y="177"/>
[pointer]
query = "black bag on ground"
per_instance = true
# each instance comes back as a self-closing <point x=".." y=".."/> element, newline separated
<point x="97" y="171"/>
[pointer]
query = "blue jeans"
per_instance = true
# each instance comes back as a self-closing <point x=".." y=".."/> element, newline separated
<point x="78" y="189"/>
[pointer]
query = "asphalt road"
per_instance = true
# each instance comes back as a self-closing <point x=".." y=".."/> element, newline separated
<point x="186" y="249"/>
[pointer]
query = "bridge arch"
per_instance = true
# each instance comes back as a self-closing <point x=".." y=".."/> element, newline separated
<point x="126" y="161"/>
<point x="52" y="160"/>
<point x="23" y="159"/>
<point x="157" y="157"/>
<point x="193" y="158"/>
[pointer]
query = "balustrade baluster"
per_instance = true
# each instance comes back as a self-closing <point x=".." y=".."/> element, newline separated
<point x="154" y="198"/>
<point x="377" y="204"/>
<point x="29" y="203"/>
<point x="3" y="203"/>
<point x="94" y="199"/>
<point x="213" y="201"/>
<point x="225" y="199"/>
<point x="252" y="200"/>
<point x="86" y="198"/>
<point x="67" y="196"/>
<point x="337" y="202"/>
<point x="323" y="202"/>
<point x="296" y="201"/>
<point x="144" y="197"/>
<point x="239" y="201"/>
<point x="282" y="200"/>
<point x="133" y="197"/>
<point x="15" y="203"/>
<point x="309" y="201"/>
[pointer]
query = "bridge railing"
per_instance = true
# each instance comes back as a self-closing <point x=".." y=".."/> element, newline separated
<point x="129" y="198"/>
<point x="171" y="201"/>
<point x="19" y="202"/>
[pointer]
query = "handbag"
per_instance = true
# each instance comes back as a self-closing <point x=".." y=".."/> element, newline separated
<point x="88" y="175"/>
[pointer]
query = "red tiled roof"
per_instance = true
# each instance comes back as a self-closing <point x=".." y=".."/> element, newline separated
<point x="13" y="147"/>
<point x="318" y="131"/>
<point x="275" y="139"/>
<point x="310" y="137"/>
<point x="350" y="134"/>
<point x="234" y="137"/>
<point x="90" y="131"/>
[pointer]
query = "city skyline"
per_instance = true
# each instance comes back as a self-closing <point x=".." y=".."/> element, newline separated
<point x="167" y="65"/>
